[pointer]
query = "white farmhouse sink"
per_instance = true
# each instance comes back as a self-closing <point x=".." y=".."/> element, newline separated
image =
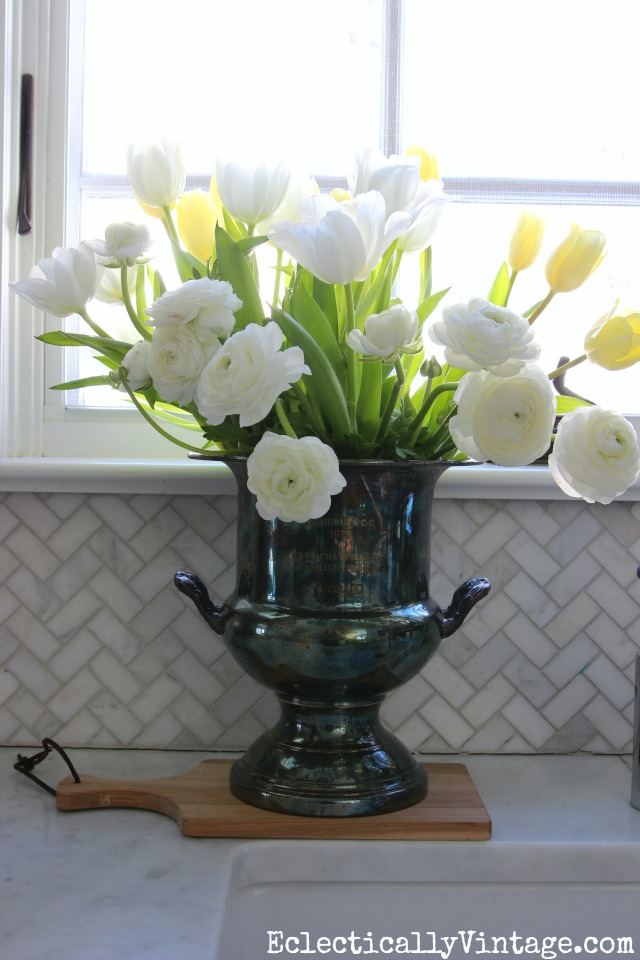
<point x="425" y="892"/>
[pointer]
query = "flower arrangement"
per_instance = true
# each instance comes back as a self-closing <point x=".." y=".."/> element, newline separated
<point x="335" y="366"/>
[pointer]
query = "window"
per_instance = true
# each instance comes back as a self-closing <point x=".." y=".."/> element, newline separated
<point x="525" y="102"/>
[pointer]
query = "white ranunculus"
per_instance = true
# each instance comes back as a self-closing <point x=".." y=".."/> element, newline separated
<point x="123" y="244"/>
<point x="293" y="480"/>
<point x="426" y="209"/>
<point x="396" y="178"/>
<point x="340" y="242"/>
<point x="508" y="420"/>
<point x="156" y="172"/>
<point x="251" y="192"/>
<point x="209" y="304"/>
<point x="176" y="360"/>
<point x="385" y="333"/>
<point x="136" y="363"/>
<point x="63" y="283"/>
<point x="595" y="454"/>
<point x="481" y="336"/>
<point x="248" y="374"/>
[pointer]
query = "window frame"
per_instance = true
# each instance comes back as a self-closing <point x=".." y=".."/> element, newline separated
<point x="43" y="443"/>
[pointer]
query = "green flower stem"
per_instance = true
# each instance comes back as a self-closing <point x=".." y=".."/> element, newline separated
<point x="391" y="402"/>
<point x="284" y="420"/>
<point x="170" y="225"/>
<point x="425" y="273"/>
<point x="567" y="366"/>
<point x="512" y="280"/>
<point x="307" y="403"/>
<point x="541" y="306"/>
<point x="352" y="361"/>
<point x="151" y="421"/>
<point x="396" y="265"/>
<point x="97" y="329"/>
<point x="426" y="406"/>
<point x="441" y="439"/>
<point x="276" y="286"/>
<point x="144" y="331"/>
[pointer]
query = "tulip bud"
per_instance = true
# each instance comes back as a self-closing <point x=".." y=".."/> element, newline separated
<point x="614" y="341"/>
<point x="156" y="172"/>
<point x="197" y="217"/>
<point x="430" y="369"/>
<point x="525" y="241"/>
<point x="339" y="194"/>
<point x="575" y="259"/>
<point x="428" y="163"/>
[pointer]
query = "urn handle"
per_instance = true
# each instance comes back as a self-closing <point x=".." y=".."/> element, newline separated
<point x="464" y="600"/>
<point x="194" y="588"/>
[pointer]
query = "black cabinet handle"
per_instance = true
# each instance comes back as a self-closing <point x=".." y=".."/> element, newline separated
<point x="24" y="196"/>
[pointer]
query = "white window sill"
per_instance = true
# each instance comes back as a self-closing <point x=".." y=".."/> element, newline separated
<point x="75" y="475"/>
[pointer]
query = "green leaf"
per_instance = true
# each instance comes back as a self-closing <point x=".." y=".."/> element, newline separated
<point x="323" y="386"/>
<point x="233" y="267"/>
<point x="232" y="227"/>
<point x="189" y="267"/>
<point x="325" y="296"/>
<point x="499" y="293"/>
<point x="427" y="306"/>
<point x="158" y="285"/>
<point x="113" y="349"/>
<point x="100" y="381"/>
<point x="567" y="404"/>
<point x="377" y="297"/>
<point x="309" y="314"/>
<point x="247" y="244"/>
<point x="368" y="410"/>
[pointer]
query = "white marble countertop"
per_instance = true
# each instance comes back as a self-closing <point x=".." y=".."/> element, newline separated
<point x="126" y="885"/>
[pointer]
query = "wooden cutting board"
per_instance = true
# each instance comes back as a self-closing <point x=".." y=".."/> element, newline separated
<point x="201" y="803"/>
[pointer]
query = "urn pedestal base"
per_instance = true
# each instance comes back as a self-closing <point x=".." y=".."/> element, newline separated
<point x="328" y="760"/>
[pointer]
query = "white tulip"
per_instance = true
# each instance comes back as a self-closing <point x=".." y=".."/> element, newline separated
<point x="209" y="304"/>
<point x="251" y="192"/>
<point x="386" y="333"/>
<point x="293" y="480"/>
<point x="110" y="287"/>
<point x="298" y="190"/>
<point x="508" y="420"/>
<point x="340" y="242"/>
<point x="595" y="454"/>
<point x="396" y="178"/>
<point x="156" y="172"/>
<point x="123" y="244"/>
<point x="426" y="209"/>
<point x="481" y="336"/>
<point x="248" y="374"/>
<point x="176" y="359"/>
<point x="63" y="283"/>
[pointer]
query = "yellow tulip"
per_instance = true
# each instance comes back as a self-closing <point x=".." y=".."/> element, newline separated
<point x="575" y="259"/>
<point x="525" y="241"/>
<point x="614" y="341"/>
<point x="197" y="218"/>
<point x="428" y="163"/>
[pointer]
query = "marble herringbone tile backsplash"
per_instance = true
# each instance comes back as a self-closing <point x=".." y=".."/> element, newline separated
<point x="97" y="648"/>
